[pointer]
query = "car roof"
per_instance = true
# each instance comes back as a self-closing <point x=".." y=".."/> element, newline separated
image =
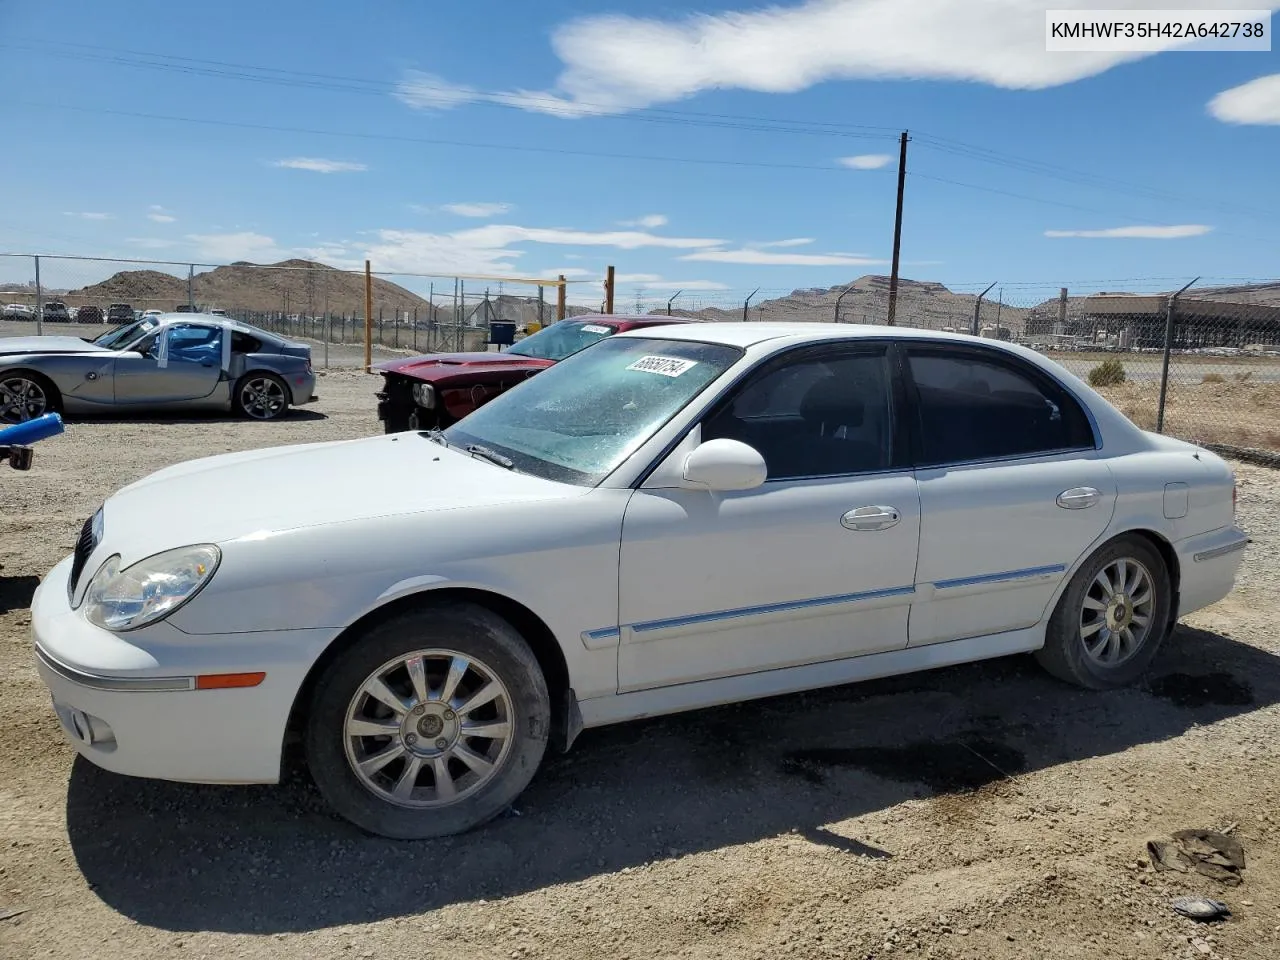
<point x="736" y="333"/>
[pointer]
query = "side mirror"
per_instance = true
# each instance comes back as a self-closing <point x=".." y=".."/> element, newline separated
<point x="724" y="465"/>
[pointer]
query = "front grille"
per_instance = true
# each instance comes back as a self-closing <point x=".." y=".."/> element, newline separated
<point x="88" y="542"/>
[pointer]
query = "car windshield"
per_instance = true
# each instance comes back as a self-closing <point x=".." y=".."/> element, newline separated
<point x="580" y="419"/>
<point x="561" y="339"/>
<point x="123" y="335"/>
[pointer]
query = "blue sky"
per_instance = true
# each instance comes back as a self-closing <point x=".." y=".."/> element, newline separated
<point x="508" y="138"/>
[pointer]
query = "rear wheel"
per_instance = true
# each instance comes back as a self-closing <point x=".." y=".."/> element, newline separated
<point x="25" y="396"/>
<point x="1110" y="621"/>
<point x="261" y="396"/>
<point x="430" y="724"/>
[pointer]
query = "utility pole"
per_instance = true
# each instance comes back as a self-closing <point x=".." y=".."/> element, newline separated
<point x="897" y="228"/>
<point x="608" y="289"/>
<point x="560" y="298"/>
<point x="746" y="303"/>
<point x="39" y="301"/>
<point x="368" y="316"/>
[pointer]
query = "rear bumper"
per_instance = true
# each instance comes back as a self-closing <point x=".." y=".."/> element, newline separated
<point x="1208" y="564"/>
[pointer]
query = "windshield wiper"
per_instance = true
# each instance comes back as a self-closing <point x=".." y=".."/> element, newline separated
<point x="437" y="435"/>
<point x="493" y="456"/>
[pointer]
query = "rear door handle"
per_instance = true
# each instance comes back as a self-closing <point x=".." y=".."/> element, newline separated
<point x="1079" y="498"/>
<point x="870" y="518"/>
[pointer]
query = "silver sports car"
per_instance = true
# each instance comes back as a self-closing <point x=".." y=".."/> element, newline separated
<point x="175" y="360"/>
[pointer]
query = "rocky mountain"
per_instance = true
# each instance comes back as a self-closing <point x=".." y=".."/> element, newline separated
<point x="866" y="300"/>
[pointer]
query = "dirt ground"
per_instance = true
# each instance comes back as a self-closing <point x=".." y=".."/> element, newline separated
<point x="984" y="811"/>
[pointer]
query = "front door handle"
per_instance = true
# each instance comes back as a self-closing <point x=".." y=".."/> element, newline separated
<point x="1079" y="498"/>
<point x="870" y="518"/>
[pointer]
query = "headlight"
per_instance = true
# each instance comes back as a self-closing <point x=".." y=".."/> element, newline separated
<point x="149" y="590"/>
<point x="424" y="395"/>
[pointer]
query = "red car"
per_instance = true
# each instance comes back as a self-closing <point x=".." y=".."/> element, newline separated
<point x="438" y="389"/>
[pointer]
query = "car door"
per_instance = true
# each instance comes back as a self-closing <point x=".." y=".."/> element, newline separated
<point x="1012" y="489"/>
<point x="184" y="362"/>
<point x="816" y="564"/>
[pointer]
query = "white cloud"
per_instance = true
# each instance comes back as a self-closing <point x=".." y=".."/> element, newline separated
<point x="90" y="216"/>
<point x="491" y="249"/>
<point x="649" y="221"/>
<point x="476" y="209"/>
<point x="1257" y="101"/>
<point x="245" y="245"/>
<point x="566" y="272"/>
<point x="501" y="235"/>
<point x="426" y="91"/>
<point x="150" y="243"/>
<point x="612" y="63"/>
<point x="320" y="165"/>
<point x="1141" y="232"/>
<point x="161" y="217"/>
<point x="867" y="161"/>
<point x="765" y="258"/>
<point x="793" y="242"/>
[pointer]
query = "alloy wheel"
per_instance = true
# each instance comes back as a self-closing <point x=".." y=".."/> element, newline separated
<point x="21" y="400"/>
<point x="1116" y="614"/>
<point x="262" y="398"/>
<point x="428" y="729"/>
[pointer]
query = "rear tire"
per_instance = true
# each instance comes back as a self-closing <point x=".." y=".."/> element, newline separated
<point x="260" y="396"/>
<point x="390" y="736"/>
<point x="1113" y="616"/>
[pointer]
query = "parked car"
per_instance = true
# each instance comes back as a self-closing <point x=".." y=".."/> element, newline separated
<point x="166" y="362"/>
<point x="55" y="311"/>
<point x="18" y="311"/>
<point x="153" y="313"/>
<point x="437" y="389"/>
<point x="120" y="313"/>
<point x="672" y="518"/>
<point x="89" y="314"/>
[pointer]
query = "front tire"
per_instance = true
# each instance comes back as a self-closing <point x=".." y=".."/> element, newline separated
<point x="25" y="396"/>
<point x="260" y="396"/>
<point x="430" y="724"/>
<point x="1113" y="616"/>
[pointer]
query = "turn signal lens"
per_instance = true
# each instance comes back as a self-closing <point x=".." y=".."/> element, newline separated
<point x="228" y="681"/>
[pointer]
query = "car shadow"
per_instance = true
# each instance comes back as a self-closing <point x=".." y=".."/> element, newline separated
<point x="189" y="416"/>
<point x="272" y="859"/>
<point x="16" y="592"/>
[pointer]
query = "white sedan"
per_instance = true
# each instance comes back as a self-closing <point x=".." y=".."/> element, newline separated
<point x="673" y="518"/>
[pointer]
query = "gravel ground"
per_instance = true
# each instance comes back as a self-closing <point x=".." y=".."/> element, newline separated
<point x="985" y="811"/>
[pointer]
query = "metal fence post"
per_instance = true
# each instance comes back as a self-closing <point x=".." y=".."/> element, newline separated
<point x="1168" y="348"/>
<point x="328" y="329"/>
<point x="39" y="301"/>
<point x="191" y="287"/>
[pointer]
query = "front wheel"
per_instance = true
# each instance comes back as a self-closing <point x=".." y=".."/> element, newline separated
<point x="261" y="396"/>
<point x="430" y="724"/>
<point x="1111" y="619"/>
<point x="25" y="396"/>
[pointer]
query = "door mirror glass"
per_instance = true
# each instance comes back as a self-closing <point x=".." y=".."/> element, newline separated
<point x="724" y="465"/>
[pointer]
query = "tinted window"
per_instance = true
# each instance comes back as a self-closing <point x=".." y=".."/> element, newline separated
<point x="813" y="417"/>
<point x="243" y="343"/>
<point x="974" y="408"/>
<point x="560" y="340"/>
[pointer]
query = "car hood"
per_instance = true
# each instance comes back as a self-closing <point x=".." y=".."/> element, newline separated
<point x="262" y="492"/>
<point x="9" y="345"/>
<point x="437" y="366"/>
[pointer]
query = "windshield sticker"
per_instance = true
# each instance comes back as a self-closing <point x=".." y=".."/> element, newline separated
<point x="665" y="366"/>
<point x="594" y="328"/>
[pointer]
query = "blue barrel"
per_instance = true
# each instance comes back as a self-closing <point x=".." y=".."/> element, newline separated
<point x="31" y="431"/>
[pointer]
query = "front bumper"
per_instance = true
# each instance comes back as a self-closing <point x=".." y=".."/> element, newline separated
<point x="128" y="702"/>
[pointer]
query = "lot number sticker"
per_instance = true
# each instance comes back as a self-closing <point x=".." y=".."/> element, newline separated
<point x="665" y="366"/>
<point x="594" y="328"/>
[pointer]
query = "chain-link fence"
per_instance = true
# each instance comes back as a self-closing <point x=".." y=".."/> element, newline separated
<point x="299" y="298"/>
<point x="1202" y="363"/>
